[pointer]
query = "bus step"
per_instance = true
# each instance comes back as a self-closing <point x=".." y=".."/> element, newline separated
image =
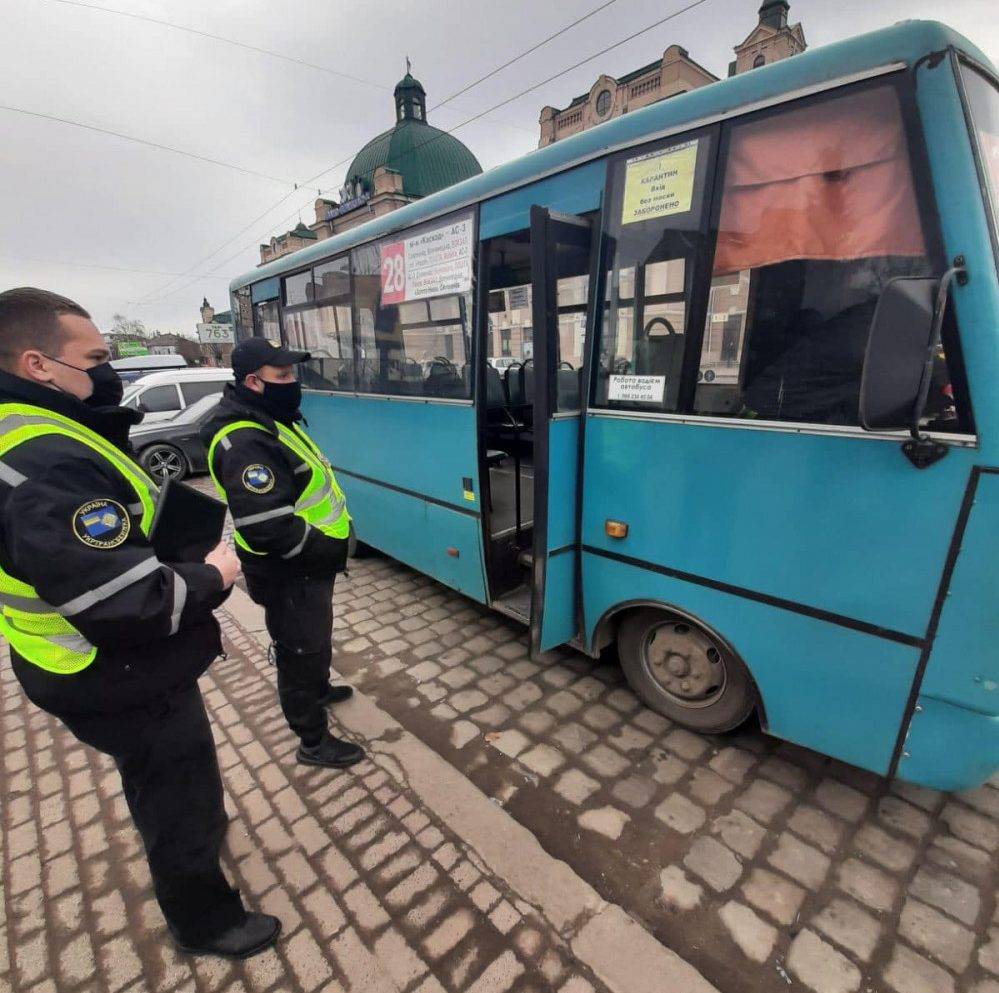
<point x="526" y="560"/>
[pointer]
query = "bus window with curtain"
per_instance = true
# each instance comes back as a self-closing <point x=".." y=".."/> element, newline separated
<point x="818" y="212"/>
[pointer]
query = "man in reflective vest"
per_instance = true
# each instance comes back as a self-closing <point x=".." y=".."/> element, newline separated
<point x="102" y="634"/>
<point x="292" y="530"/>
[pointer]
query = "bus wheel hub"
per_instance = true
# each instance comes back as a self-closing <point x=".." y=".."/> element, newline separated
<point x="685" y="662"/>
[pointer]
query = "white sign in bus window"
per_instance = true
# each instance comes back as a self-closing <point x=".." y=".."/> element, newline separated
<point x="637" y="389"/>
<point x="659" y="184"/>
<point x="431" y="264"/>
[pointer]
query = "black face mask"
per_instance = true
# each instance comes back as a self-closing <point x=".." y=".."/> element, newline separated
<point x="108" y="387"/>
<point x="284" y="399"/>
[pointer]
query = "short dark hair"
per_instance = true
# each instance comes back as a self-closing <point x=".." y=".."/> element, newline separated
<point x="29" y="318"/>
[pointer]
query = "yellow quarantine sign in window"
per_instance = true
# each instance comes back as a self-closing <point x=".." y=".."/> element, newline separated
<point x="659" y="184"/>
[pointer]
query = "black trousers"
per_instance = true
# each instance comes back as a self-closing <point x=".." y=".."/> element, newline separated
<point x="165" y="754"/>
<point x="298" y="613"/>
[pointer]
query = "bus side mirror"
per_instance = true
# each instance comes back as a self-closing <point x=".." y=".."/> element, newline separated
<point x="897" y="348"/>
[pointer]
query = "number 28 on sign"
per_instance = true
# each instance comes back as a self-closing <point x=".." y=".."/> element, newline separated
<point x="393" y="259"/>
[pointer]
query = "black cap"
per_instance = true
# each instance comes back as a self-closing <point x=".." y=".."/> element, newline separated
<point x="249" y="355"/>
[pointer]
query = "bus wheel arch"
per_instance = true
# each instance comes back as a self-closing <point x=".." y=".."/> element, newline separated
<point x="680" y="666"/>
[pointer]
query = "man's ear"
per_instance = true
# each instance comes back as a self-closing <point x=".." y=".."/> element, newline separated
<point x="33" y="365"/>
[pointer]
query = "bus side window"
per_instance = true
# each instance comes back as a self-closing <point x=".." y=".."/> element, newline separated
<point x="265" y="320"/>
<point x="818" y="211"/>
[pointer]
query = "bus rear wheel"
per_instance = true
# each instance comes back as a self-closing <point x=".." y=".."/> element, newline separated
<point x="684" y="672"/>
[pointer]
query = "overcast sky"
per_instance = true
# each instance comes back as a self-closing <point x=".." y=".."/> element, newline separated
<point x="115" y="224"/>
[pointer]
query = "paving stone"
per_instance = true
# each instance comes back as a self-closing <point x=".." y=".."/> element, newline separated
<point x="984" y="799"/>
<point x="448" y="933"/>
<point x="958" y="856"/>
<point x="679" y="892"/>
<point x="927" y="929"/>
<point x="708" y="786"/>
<point x="608" y="821"/>
<point x="543" y="759"/>
<point x="820" y="967"/>
<point x="946" y="891"/>
<point x="879" y="845"/>
<point x="511" y="742"/>
<point x="740" y="832"/>
<point x="574" y="737"/>
<point x="628" y="739"/>
<point x="908" y="972"/>
<point x="714" y="863"/>
<point x="685" y="744"/>
<point x="467" y="700"/>
<point x="733" y="764"/>
<point x="773" y="894"/>
<point x="843" y="801"/>
<point x="868" y="885"/>
<point x="635" y="791"/>
<point x="818" y="827"/>
<point x="801" y="862"/>
<point x="971" y="827"/>
<point x="680" y="814"/>
<point x="604" y="761"/>
<point x="902" y="817"/>
<point x="763" y="800"/>
<point x="849" y="926"/>
<point x="668" y="769"/>
<point x="754" y="936"/>
<point x="575" y="786"/>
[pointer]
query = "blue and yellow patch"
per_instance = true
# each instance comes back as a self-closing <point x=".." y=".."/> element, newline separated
<point x="258" y="478"/>
<point x="101" y="524"/>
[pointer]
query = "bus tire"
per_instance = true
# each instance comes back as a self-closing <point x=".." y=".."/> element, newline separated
<point x="684" y="672"/>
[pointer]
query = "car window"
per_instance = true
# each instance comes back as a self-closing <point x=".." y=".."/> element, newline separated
<point x="160" y="398"/>
<point x="196" y="390"/>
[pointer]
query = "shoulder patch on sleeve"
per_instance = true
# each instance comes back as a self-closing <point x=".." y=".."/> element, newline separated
<point x="258" y="478"/>
<point x="101" y="523"/>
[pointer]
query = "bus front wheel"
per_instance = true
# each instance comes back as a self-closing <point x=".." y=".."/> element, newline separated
<point x="685" y="673"/>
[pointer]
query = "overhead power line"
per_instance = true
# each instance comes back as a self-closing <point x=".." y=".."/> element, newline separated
<point x="142" y="141"/>
<point x="156" y="296"/>
<point x="92" y="265"/>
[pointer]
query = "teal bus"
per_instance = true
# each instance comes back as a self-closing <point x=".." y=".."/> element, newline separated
<point x="714" y="383"/>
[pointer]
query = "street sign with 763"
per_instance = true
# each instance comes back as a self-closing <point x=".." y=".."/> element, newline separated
<point x="216" y="334"/>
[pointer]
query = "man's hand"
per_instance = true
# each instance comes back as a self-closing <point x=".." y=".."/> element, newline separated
<point x="225" y="560"/>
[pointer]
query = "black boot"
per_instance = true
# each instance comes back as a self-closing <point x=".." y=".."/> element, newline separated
<point x="336" y="694"/>
<point x="257" y="933"/>
<point x="330" y="752"/>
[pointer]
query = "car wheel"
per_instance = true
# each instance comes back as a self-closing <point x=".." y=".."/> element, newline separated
<point x="685" y="672"/>
<point x="163" y="462"/>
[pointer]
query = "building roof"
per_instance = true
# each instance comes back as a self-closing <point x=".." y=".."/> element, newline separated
<point x="427" y="158"/>
<point x="629" y="77"/>
<point x="301" y="231"/>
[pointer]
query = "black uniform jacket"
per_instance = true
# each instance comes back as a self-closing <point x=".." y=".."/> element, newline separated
<point x="262" y="479"/>
<point x="69" y="532"/>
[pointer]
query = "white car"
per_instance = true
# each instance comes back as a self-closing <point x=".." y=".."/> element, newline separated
<point x="162" y="395"/>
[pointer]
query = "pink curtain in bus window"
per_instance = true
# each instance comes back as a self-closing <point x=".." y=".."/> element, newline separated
<point x="830" y="181"/>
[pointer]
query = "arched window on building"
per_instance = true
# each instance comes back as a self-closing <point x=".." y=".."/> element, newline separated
<point x="760" y="60"/>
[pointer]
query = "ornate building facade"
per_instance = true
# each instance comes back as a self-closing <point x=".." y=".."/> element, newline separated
<point x="410" y="160"/>
<point x="676" y="72"/>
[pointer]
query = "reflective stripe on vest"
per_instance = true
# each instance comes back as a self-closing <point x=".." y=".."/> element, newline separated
<point x="321" y="503"/>
<point x="38" y="631"/>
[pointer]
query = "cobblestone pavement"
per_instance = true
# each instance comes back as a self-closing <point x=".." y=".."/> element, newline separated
<point x="767" y="866"/>
<point x="381" y="885"/>
<point x="764" y="865"/>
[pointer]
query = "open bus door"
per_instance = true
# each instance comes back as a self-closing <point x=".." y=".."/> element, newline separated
<point x="561" y="295"/>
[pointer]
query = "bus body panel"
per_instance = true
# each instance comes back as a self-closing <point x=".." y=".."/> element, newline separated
<point x="380" y="442"/>
<point x="823" y="686"/>
<point x="860" y="532"/>
<point x="948" y="747"/>
<point x="965" y="231"/>
<point x="963" y="667"/>
<point x="577" y="191"/>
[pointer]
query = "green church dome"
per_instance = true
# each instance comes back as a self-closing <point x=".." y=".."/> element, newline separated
<point x="427" y="158"/>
